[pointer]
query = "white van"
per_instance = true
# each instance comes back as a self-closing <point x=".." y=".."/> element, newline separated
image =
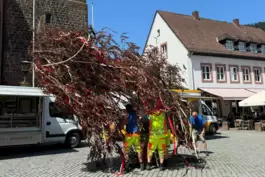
<point x="28" y="116"/>
<point x="211" y="120"/>
<point x="196" y="100"/>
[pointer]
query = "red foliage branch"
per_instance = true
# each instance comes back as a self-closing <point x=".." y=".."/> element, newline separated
<point x="90" y="76"/>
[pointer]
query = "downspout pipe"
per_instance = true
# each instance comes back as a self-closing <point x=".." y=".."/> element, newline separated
<point x="192" y="72"/>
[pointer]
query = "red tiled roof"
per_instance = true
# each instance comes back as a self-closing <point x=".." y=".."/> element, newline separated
<point x="201" y="35"/>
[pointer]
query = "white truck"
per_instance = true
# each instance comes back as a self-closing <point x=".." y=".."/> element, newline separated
<point x="28" y="116"/>
<point x="196" y="100"/>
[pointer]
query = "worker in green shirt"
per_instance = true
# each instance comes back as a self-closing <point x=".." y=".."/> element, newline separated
<point x="157" y="134"/>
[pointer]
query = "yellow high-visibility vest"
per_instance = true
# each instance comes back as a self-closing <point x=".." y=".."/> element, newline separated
<point x="157" y="121"/>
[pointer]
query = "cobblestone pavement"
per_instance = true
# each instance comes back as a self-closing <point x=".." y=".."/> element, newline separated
<point x="232" y="154"/>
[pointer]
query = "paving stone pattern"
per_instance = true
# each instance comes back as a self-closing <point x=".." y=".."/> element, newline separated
<point x="232" y="154"/>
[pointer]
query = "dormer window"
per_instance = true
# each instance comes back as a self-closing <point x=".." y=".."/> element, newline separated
<point x="229" y="44"/>
<point x="263" y="49"/>
<point x="253" y="48"/>
<point x="242" y="46"/>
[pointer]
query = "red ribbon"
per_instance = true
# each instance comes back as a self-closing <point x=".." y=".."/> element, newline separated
<point x="172" y="131"/>
<point x="100" y="58"/>
<point x="66" y="99"/>
<point x="122" y="166"/>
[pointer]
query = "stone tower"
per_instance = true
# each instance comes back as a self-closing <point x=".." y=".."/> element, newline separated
<point x="16" y="29"/>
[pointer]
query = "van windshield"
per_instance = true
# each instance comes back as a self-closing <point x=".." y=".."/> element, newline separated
<point x="58" y="111"/>
<point x="206" y="111"/>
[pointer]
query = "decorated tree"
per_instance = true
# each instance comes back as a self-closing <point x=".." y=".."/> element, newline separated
<point x="91" y="75"/>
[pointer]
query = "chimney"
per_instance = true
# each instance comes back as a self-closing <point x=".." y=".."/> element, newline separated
<point x="236" y="22"/>
<point x="196" y="15"/>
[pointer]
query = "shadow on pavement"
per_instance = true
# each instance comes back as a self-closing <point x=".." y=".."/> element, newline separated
<point x="185" y="161"/>
<point x="104" y="166"/>
<point x="174" y="163"/>
<point x="37" y="150"/>
<point x="213" y="137"/>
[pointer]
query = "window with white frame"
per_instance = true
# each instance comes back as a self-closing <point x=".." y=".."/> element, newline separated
<point x="206" y="72"/>
<point x="164" y="50"/>
<point x="253" y="48"/>
<point x="242" y="46"/>
<point x="229" y="44"/>
<point x="220" y="73"/>
<point x="234" y="73"/>
<point x="246" y="74"/>
<point x="263" y="49"/>
<point x="257" y="74"/>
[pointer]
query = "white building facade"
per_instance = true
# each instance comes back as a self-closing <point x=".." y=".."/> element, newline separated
<point x="230" y="68"/>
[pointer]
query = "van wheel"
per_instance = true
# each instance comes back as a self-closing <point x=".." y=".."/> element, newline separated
<point x="213" y="129"/>
<point x="73" y="140"/>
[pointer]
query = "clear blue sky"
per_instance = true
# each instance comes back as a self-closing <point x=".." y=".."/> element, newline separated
<point x="135" y="16"/>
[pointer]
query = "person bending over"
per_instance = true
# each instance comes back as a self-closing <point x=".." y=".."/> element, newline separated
<point x="198" y="130"/>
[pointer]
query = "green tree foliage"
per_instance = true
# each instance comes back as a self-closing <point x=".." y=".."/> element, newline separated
<point x="260" y="25"/>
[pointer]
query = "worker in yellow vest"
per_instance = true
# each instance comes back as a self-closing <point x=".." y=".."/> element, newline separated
<point x="157" y="134"/>
<point x="132" y="136"/>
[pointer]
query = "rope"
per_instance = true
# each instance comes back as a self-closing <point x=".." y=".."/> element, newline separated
<point x="64" y="61"/>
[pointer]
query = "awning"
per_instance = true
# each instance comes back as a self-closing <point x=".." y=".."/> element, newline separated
<point x="255" y="100"/>
<point x="229" y="93"/>
<point x="255" y="90"/>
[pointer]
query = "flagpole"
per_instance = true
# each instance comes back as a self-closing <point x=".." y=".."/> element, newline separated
<point x="33" y="41"/>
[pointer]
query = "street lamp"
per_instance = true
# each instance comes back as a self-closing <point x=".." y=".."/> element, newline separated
<point x="25" y="67"/>
<point x="91" y="32"/>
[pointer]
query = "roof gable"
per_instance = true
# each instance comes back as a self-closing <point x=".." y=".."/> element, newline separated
<point x="201" y="35"/>
<point x="149" y="33"/>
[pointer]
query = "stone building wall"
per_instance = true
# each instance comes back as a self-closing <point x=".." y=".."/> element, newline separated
<point x="17" y="30"/>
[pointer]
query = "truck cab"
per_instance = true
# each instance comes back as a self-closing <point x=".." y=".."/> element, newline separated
<point x="209" y="117"/>
<point x="60" y="126"/>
